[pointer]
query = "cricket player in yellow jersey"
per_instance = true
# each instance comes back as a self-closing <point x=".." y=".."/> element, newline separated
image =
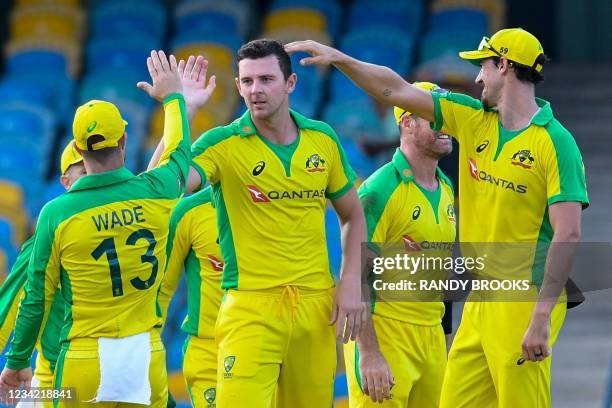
<point x="192" y="245"/>
<point x="104" y="243"/>
<point x="523" y="170"/>
<point x="11" y="292"/>
<point x="271" y="172"/>
<point x="408" y="201"/>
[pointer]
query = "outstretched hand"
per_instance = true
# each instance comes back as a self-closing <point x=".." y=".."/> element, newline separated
<point x="193" y="78"/>
<point x="320" y="54"/>
<point x="164" y="74"/>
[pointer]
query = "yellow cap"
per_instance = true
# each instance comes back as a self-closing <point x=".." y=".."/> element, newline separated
<point x="426" y="86"/>
<point x="515" y="44"/>
<point x="101" y="120"/>
<point x="70" y="156"/>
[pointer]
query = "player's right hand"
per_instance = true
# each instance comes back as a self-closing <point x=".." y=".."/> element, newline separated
<point x="376" y="377"/>
<point x="320" y="54"/>
<point x="164" y="74"/>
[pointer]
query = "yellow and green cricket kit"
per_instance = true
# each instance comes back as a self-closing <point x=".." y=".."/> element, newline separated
<point x="104" y="244"/>
<point x="271" y="201"/>
<point x="11" y="293"/>
<point x="508" y="179"/>
<point x="193" y="247"/>
<point x="400" y="214"/>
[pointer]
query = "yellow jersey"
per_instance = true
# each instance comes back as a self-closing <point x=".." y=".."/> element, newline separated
<point x="507" y="180"/>
<point x="104" y="243"/>
<point x="193" y="246"/>
<point x="404" y="218"/>
<point x="271" y="199"/>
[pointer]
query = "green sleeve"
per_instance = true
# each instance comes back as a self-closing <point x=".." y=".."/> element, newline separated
<point x="43" y="277"/>
<point x="11" y="290"/>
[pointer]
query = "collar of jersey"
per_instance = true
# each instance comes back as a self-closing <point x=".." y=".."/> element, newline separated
<point x="102" y="179"/>
<point x="544" y="115"/>
<point x="405" y="171"/>
<point x="247" y="128"/>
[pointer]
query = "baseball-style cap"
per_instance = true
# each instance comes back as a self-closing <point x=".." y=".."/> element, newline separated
<point x="70" y="156"/>
<point x="426" y="86"/>
<point x="515" y="44"/>
<point x="97" y="124"/>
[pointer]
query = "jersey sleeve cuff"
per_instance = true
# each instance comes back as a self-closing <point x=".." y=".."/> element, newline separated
<point x="437" y="124"/>
<point x="337" y="194"/>
<point x="202" y="174"/>
<point x="561" y="198"/>
<point x="17" y="363"/>
<point x="172" y="97"/>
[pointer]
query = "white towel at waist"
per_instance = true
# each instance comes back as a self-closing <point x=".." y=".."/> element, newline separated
<point x="124" y="369"/>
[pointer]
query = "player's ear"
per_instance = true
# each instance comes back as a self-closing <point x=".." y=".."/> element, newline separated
<point x="406" y="121"/>
<point x="291" y="82"/>
<point x="65" y="181"/>
<point x="237" y="81"/>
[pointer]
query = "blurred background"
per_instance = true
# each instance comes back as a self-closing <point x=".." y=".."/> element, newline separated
<point x="58" y="54"/>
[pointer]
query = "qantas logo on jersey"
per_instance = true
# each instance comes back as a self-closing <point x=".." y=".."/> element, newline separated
<point x="411" y="244"/>
<point x="473" y="169"/>
<point x="481" y="175"/>
<point x="259" y="196"/>
<point x="217" y="265"/>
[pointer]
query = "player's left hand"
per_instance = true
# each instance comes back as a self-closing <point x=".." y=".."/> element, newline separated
<point x="535" y="343"/>
<point x="193" y="77"/>
<point x="349" y="312"/>
<point x="14" y="379"/>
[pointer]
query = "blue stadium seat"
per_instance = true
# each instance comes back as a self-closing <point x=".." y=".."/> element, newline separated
<point x="442" y="41"/>
<point x="7" y="244"/>
<point x="53" y="189"/>
<point x="228" y="40"/>
<point x="128" y="18"/>
<point x="241" y="10"/>
<point x="459" y="19"/>
<point x="6" y="232"/>
<point x="53" y="62"/>
<point x="22" y="156"/>
<point x="128" y="54"/>
<point x="387" y="14"/>
<point x="114" y="85"/>
<point x="353" y="118"/>
<point x="343" y="89"/>
<point x="33" y="121"/>
<point x="207" y="22"/>
<point x="59" y="87"/>
<point x="361" y="163"/>
<point x="16" y="90"/>
<point x="334" y="244"/>
<point x="389" y="47"/>
<point x="332" y="10"/>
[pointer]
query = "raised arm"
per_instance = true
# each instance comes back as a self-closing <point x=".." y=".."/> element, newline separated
<point x="196" y="93"/>
<point x="380" y="82"/>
